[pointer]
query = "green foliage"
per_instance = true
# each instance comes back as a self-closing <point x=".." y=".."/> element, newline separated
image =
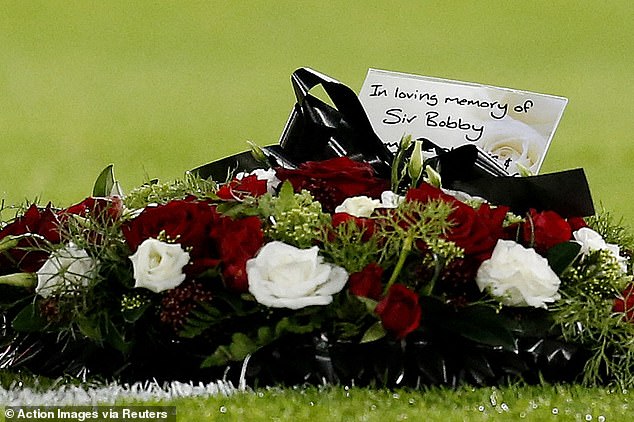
<point x="154" y="192"/>
<point x="244" y="344"/>
<point x="478" y="322"/>
<point x="586" y="318"/>
<point x="415" y="222"/>
<point x="612" y="230"/>
<point x="597" y="274"/>
<point x="561" y="256"/>
<point x="375" y="332"/>
<point x="134" y="305"/>
<point x="349" y="246"/>
<point x="106" y="185"/>
<point x="240" y="347"/>
<point x="224" y="307"/>
<point x="399" y="163"/>
<point x="200" y="319"/>
<point x="483" y="325"/>
<point x="29" y="319"/>
<point x="584" y="313"/>
<point x="412" y="225"/>
<point x="296" y="219"/>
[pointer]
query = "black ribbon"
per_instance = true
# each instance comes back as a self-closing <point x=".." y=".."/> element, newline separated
<point x="316" y="131"/>
<point x="565" y="192"/>
<point x="221" y="170"/>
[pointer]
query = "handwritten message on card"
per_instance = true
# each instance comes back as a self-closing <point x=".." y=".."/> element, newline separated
<point x="515" y="127"/>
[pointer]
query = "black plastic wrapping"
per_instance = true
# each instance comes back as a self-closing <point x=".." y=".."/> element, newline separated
<point x="316" y="131"/>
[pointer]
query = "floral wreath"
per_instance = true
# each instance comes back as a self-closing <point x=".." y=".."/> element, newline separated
<point x="320" y="271"/>
<point x="325" y="261"/>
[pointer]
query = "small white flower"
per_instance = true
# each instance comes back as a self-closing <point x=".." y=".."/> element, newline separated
<point x="390" y="199"/>
<point x="359" y="206"/>
<point x="590" y="241"/>
<point x="283" y="276"/>
<point x="464" y="196"/>
<point x="518" y="276"/>
<point x="272" y="182"/>
<point x="158" y="266"/>
<point x="67" y="269"/>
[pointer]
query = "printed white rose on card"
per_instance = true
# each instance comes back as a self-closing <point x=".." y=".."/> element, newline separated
<point x="515" y="127"/>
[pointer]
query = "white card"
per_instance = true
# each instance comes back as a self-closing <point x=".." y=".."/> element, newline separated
<point x="515" y="127"/>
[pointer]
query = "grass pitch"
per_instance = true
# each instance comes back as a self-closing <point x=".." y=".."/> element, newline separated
<point x="158" y="88"/>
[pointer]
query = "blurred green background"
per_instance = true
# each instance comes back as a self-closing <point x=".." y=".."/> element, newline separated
<point x="159" y="87"/>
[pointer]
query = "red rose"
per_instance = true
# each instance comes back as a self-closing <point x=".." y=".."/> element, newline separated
<point x="426" y="192"/>
<point x="367" y="224"/>
<point x="332" y="181"/>
<point x="237" y="241"/>
<point x="187" y="222"/>
<point x="107" y="209"/>
<point x="480" y="232"/>
<point x="367" y="282"/>
<point x="41" y="222"/>
<point x="399" y="311"/>
<point x="476" y="231"/>
<point x="625" y="303"/>
<point x="576" y="223"/>
<point x="239" y="188"/>
<point x="103" y="210"/>
<point x="546" y="229"/>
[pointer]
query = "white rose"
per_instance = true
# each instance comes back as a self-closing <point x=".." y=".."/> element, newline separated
<point x="283" y="276"/>
<point x="590" y="241"/>
<point x="518" y="276"/>
<point x="514" y="143"/>
<point x="158" y="265"/>
<point x="359" y="206"/>
<point x="66" y="270"/>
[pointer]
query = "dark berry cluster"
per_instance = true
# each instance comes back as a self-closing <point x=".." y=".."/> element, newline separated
<point x="178" y="303"/>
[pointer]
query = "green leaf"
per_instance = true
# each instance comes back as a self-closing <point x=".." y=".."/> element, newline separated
<point x="561" y="256"/>
<point x="370" y="304"/>
<point x="105" y="182"/>
<point x="237" y="209"/>
<point x="90" y="328"/>
<point x="115" y="338"/>
<point x="29" y="319"/>
<point x="133" y="315"/>
<point x="220" y="357"/>
<point x="201" y="318"/>
<point x="286" y="197"/>
<point x="239" y="348"/>
<point x="265" y="335"/>
<point x="374" y="333"/>
<point x="482" y="324"/>
<point x="292" y="325"/>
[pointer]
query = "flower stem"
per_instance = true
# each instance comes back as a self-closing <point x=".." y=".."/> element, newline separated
<point x="405" y="250"/>
<point x="429" y="289"/>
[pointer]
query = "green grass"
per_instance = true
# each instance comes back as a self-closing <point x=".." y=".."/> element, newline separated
<point x="541" y="403"/>
<point x="160" y="87"/>
<point x="341" y="403"/>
